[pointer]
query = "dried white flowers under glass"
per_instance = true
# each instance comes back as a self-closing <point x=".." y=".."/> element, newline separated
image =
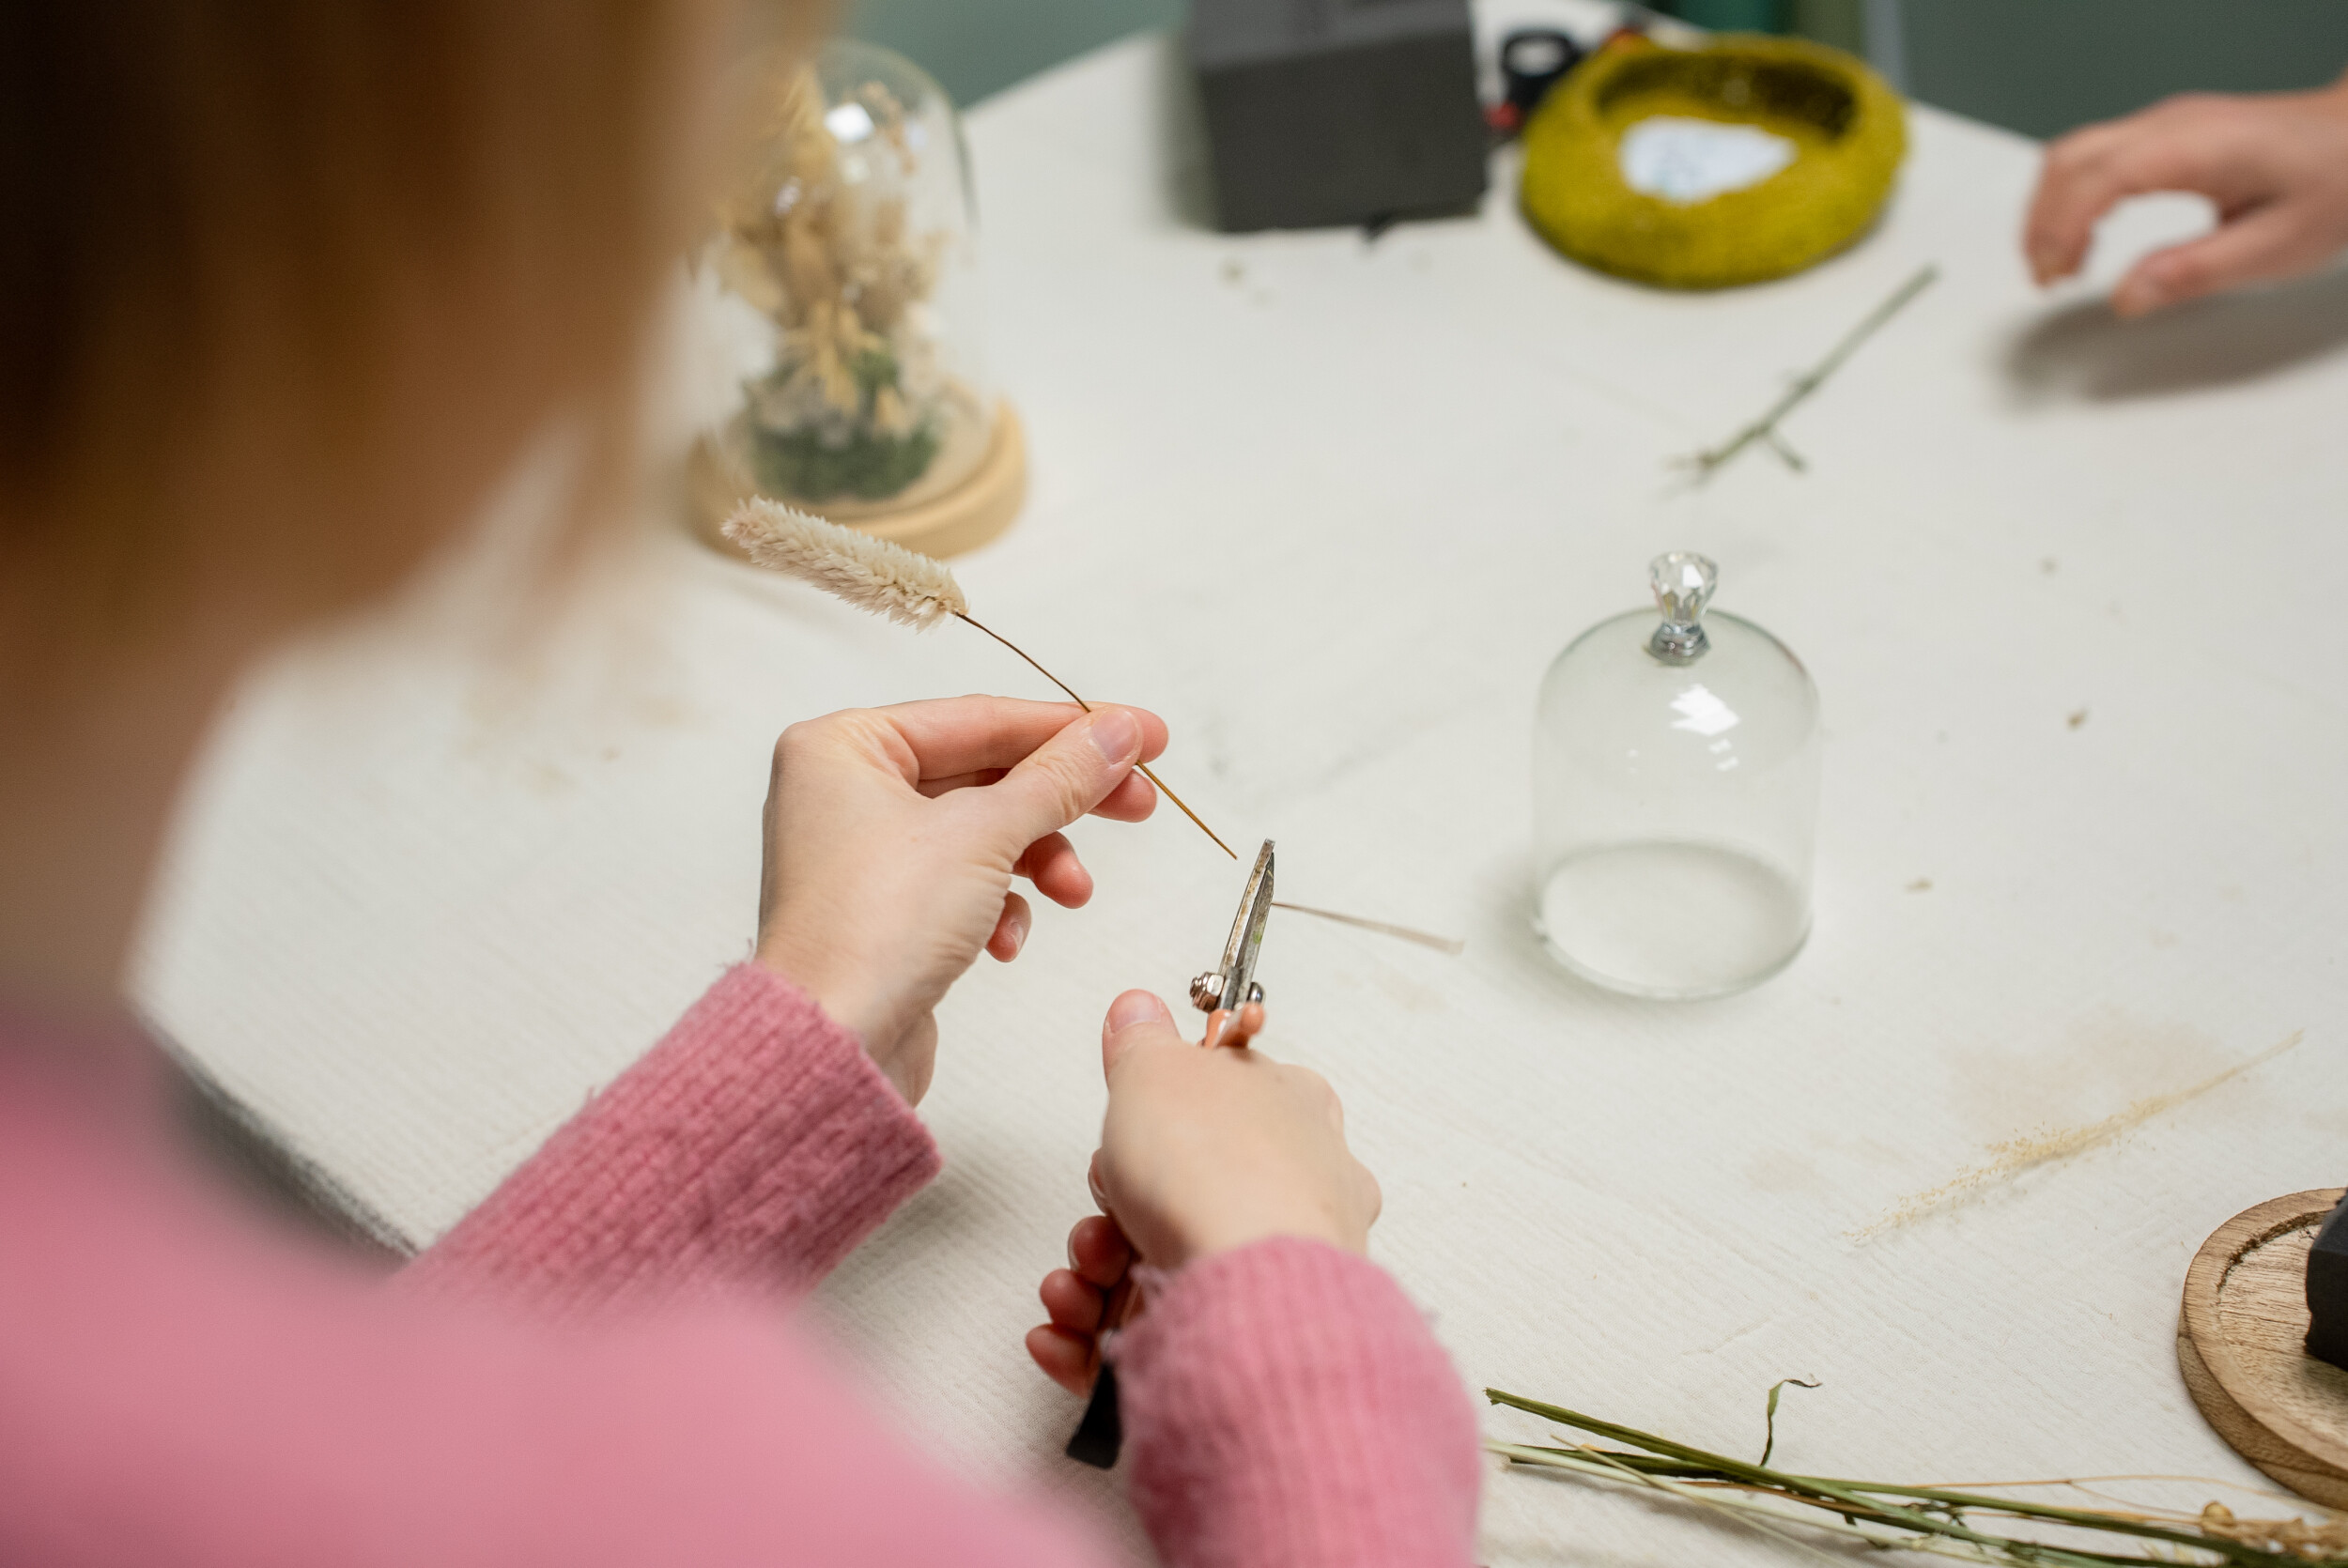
<point x="843" y="275"/>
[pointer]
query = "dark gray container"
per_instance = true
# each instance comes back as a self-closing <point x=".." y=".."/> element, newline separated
<point x="2328" y="1290"/>
<point x="1323" y="113"/>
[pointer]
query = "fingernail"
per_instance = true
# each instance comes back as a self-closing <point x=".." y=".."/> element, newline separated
<point x="1116" y="736"/>
<point x="1136" y="1006"/>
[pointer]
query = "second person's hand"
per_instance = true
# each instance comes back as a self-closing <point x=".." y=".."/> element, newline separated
<point x="2275" y="164"/>
<point x="892" y="837"/>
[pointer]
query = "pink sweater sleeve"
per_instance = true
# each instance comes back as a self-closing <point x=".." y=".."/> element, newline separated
<point x="1287" y="1404"/>
<point x="182" y="1386"/>
<point x="755" y="1143"/>
<point x="1284" y="1404"/>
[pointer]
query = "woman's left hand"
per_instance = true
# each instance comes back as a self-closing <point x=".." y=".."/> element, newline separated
<point x="1076" y="1300"/>
<point x="892" y="837"/>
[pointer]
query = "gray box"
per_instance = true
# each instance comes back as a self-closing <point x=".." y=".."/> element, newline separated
<point x="1323" y="113"/>
<point x="2328" y="1290"/>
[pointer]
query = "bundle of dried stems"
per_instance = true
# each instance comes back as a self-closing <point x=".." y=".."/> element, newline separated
<point x="885" y="578"/>
<point x="1939" y="1521"/>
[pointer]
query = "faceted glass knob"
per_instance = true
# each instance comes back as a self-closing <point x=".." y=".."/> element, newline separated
<point x="1683" y="583"/>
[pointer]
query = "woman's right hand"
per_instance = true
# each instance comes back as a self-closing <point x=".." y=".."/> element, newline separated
<point x="1203" y="1150"/>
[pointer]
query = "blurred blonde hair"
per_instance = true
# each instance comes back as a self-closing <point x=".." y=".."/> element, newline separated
<point x="173" y="171"/>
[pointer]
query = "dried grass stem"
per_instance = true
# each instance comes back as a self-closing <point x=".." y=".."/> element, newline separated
<point x="1451" y="944"/>
<point x="885" y="577"/>
<point x="1142" y="767"/>
<point x="1937" y="1520"/>
<point x="1764" y="430"/>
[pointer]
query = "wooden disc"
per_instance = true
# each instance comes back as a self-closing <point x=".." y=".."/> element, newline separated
<point x="2242" y="1346"/>
<point x="971" y="513"/>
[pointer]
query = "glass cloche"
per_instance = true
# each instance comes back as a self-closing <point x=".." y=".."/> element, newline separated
<point x="842" y="273"/>
<point x="1676" y="797"/>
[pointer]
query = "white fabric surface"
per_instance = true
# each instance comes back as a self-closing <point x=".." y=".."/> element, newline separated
<point x="1331" y="507"/>
<point x="1688" y="161"/>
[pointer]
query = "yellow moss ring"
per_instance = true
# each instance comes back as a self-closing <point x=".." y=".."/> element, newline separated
<point x="1845" y="123"/>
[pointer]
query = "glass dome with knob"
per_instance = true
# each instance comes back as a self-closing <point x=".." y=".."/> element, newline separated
<point x="1675" y="791"/>
<point x="843" y="274"/>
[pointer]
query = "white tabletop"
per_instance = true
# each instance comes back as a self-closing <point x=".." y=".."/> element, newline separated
<point x="1331" y="506"/>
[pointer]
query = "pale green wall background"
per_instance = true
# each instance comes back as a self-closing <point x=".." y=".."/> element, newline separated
<point x="2042" y="66"/>
<point x="2039" y="66"/>
<point x="977" y="47"/>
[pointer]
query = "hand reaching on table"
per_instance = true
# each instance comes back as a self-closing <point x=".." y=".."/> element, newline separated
<point x="1202" y="1150"/>
<point x="892" y="837"/>
<point x="2275" y="164"/>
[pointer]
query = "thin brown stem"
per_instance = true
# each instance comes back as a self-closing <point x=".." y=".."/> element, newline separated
<point x="1080" y="702"/>
<point x="1451" y="944"/>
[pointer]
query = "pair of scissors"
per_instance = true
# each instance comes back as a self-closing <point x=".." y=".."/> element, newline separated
<point x="1229" y="996"/>
<point x="1233" y="1003"/>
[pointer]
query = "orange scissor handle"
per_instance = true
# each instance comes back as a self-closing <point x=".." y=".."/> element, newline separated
<point x="1233" y="1028"/>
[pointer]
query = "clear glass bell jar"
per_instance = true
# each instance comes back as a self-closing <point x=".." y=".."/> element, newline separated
<point x="843" y="275"/>
<point x="1676" y="797"/>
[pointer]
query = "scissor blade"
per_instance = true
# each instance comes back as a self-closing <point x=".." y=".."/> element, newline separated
<point x="1255" y="908"/>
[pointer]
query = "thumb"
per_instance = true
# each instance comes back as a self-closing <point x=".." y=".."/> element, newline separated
<point x="1064" y="777"/>
<point x="1133" y="1018"/>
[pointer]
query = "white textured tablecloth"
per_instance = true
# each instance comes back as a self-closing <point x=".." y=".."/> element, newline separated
<point x="1331" y="507"/>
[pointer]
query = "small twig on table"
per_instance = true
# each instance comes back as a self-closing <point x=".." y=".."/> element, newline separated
<point x="1764" y="430"/>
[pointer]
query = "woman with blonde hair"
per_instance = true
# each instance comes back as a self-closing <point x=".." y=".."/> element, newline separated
<point x="285" y="288"/>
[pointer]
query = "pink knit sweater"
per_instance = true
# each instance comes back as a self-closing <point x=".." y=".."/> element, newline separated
<point x="589" y="1370"/>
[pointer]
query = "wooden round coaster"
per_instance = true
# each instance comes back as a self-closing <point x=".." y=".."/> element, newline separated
<point x="935" y="523"/>
<point x="2242" y="1346"/>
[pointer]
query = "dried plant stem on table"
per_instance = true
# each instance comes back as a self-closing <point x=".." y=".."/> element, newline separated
<point x="1705" y="464"/>
<point x="1937" y="1520"/>
<point x="887" y="579"/>
<point x="1451" y="944"/>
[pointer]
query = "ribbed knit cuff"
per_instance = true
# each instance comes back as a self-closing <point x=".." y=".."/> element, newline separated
<point x="755" y="1142"/>
<point x="1285" y="1403"/>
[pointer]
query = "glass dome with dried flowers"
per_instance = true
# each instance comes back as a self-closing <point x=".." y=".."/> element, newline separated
<point x="843" y="275"/>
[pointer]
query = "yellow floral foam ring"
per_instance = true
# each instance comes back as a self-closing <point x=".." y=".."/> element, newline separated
<point x="1845" y="122"/>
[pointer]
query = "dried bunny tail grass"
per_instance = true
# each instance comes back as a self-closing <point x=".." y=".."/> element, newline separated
<point x="887" y="579"/>
<point x="870" y="573"/>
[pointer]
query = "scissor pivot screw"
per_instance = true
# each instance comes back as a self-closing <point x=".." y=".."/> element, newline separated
<point x="1206" y="992"/>
<point x="1255" y="992"/>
